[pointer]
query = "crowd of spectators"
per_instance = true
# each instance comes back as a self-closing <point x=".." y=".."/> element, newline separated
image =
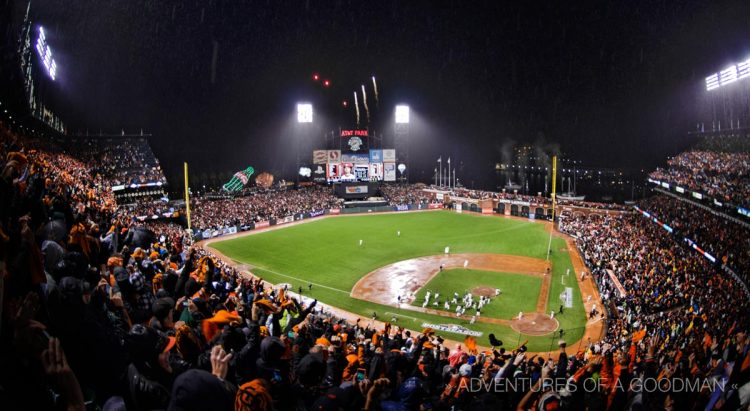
<point x="721" y="175"/>
<point x="594" y="204"/>
<point x="725" y="239"/>
<point x="102" y="311"/>
<point x="728" y="141"/>
<point x="712" y="162"/>
<point x="260" y="206"/>
<point x="611" y="242"/>
<point x="122" y="160"/>
<point x="150" y="208"/>
<point x="483" y="194"/>
<point x="695" y="311"/>
<point x="400" y="194"/>
<point x="534" y="200"/>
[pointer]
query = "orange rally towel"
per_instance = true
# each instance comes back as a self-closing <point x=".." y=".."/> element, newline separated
<point x="213" y="325"/>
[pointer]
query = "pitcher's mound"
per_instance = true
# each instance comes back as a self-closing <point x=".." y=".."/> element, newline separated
<point x="484" y="291"/>
<point x="534" y="324"/>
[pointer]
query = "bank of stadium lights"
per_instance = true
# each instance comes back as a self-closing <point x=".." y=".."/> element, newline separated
<point x="402" y="114"/>
<point x="304" y="113"/>
<point x="45" y="53"/>
<point x="729" y="75"/>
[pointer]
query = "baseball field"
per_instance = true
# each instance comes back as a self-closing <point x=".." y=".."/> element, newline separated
<point x="364" y="263"/>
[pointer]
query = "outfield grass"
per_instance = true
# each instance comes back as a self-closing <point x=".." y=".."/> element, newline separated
<point x="519" y="292"/>
<point x="327" y="254"/>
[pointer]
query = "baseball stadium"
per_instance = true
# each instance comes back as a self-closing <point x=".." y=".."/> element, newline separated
<point x="237" y="205"/>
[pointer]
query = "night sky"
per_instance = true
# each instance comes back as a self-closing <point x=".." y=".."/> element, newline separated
<point x="612" y="83"/>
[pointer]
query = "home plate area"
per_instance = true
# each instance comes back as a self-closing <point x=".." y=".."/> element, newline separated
<point x="535" y="324"/>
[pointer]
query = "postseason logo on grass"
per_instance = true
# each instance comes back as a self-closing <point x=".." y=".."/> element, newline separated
<point x="453" y="328"/>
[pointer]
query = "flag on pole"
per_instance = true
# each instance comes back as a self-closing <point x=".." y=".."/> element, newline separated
<point x="449" y="172"/>
<point x="440" y="160"/>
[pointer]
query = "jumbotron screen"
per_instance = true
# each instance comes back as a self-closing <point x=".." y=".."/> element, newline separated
<point x="343" y="166"/>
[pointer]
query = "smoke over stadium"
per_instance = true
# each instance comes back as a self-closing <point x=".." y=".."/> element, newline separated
<point x="400" y="206"/>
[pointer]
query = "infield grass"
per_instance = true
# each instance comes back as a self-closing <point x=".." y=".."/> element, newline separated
<point x="519" y="292"/>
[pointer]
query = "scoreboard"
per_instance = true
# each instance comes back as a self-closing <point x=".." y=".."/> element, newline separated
<point x="354" y="161"/>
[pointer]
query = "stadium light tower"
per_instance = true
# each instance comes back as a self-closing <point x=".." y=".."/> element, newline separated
<point x="45" y="54"/>
<point x="402" y="114"/>
<point x="401" y="140"/>
<point x="304" y="113"/>
<point x="304" y="116"/>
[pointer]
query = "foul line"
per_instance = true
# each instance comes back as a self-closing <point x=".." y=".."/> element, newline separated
<point x="299" y="279"/>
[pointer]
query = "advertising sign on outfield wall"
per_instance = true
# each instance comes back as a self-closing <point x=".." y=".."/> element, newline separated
<point x="333" y="171"/>
<point x="320" y="157"/>
<point x="209" y="233"/>
<point x="376" y="156"/>
<point x="389" y="171"/>
<point x="356" y="189"/>
<point x="376" y="171"/>
<point x="389" y="155"/>
<point x="334" y="156"/>
<point x="319" y="173"/>
<point x="355" y="158"/>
